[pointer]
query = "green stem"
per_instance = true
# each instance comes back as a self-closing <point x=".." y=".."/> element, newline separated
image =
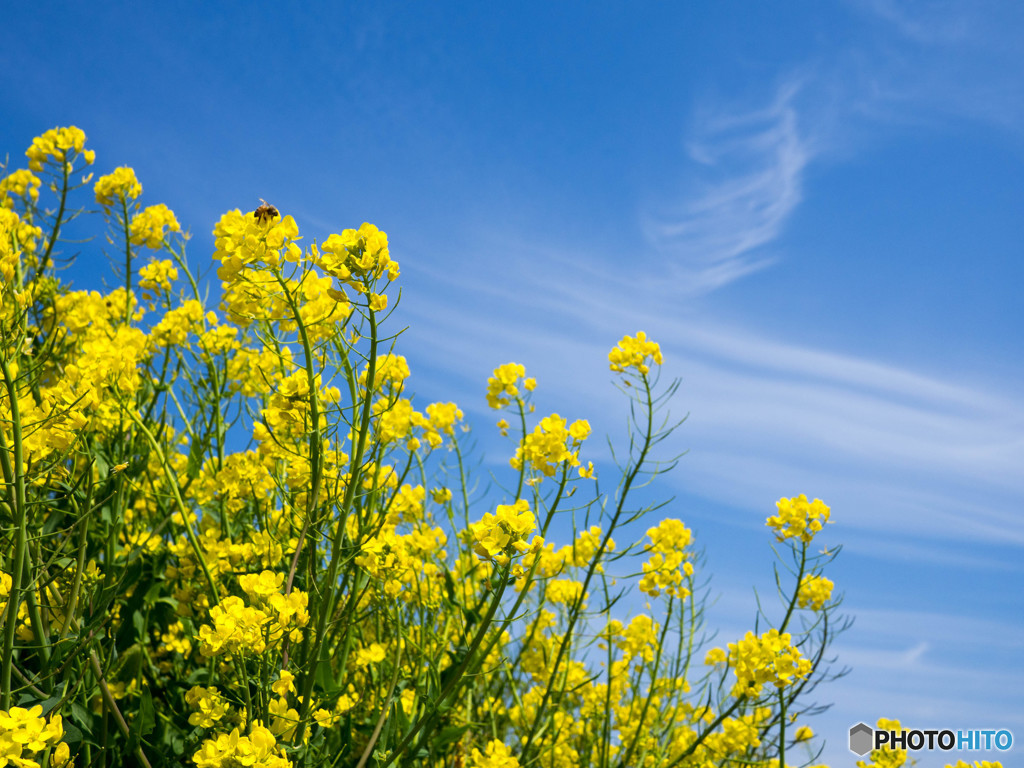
<point x="60" y="212"/>
<point x="456" y="675"/>
<point x="782" y="729"/>
<point x="328" y="587"/>
<point x="576" y="610"/>
<point x="796" y="592"/>
<point x="707" y="732"/>
<point x="16" y="477"/>
<point x="127" y="262"/>
<point x="385" y="710"/>
<point x="172" y="483"/>
<point x="111" y="706"/>
<point x="651" y="690"/>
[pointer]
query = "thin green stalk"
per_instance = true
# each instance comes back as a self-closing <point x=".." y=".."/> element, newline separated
<point x="325" y="604"/>
<point x="60" y="211"/>
<point x="172" y="482"/>
<point x="796" y="592"/>
<point x="20" y="510"/>
<point x="127" y="261"/>
<point x="707" y="732"/>
<point x="455" y="675"/>
<point x="111" y="707"/>
<point x="651" y="691"/>
<point x="574" y="614"/>
<point x="782" y="729"/>
<point x="386" y="709"/>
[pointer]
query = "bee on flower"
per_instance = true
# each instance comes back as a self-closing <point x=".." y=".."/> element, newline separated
<point x="265" y="212"/>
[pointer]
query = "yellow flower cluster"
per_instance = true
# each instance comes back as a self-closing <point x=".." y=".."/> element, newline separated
<point x="557" y="747"/>
<point x="815" y="591"/>
<point x="583" y="550"/>
<point x="504" y="532"/>
<point x="208" y="704"/>
<point x="257" y="750"/>
<point x="288" y="406"/>
<point x="552" y="442"/>
<point x="57" y="144"/>
<point x="398" y="421"/>
<point x="243" y="241"/>
<point x="563" y="591"/>
<point x="638" y="640"/>
<point x="372" y="654"/>
<point x="59" y="414"/>
<point x="770" y="658"/>
<point x="121" y="184"/>
<point x="496" y="755"/>
<point x="240" y="478"/>
<point x="391" y="371"/>
<point x="175" y="640"/>
<point x="635" y="352"/>
<point x="148" y="225"/>
<point x="16" y="237"/>
<point x="976" y="764"/>
<point x="798" y="518"/>
<point x="239" y="629"/>
<point x="356" y="256"/>
<point x="670" y="562"/>
<point x="5" y="591"/>
<point x="24" y="732"/>
<point x="803" y="733"/>
<point x="175" y="326"/>
<point x="20" y="183"/>
<point x="443" y="418"/>
<point x="404" y="564"/>
<point x="504" y="384"/>
<point x="157" y="276"/>
<point x="234" y="628"/>
<point x="738" y="734"/>
<point x="886" y="757"/>
<point x="223" y="557"/>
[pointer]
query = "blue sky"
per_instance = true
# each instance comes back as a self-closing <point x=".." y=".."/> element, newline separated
<point x="815" y="207"/>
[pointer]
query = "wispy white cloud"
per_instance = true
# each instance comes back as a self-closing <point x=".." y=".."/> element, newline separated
<point x="935" y="60"/>
<point x="925" y="22"/>
<point x="749" y="166"/>
<point x="896" y="449"/>
<point x="921" y="469"/>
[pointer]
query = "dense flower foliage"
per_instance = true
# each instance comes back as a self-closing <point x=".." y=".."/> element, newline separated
<point x="231" y="536"/>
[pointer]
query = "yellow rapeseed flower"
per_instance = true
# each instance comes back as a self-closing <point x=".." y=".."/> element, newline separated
<point x="635" y="352"/>
<point x="117" y="185"/>
<point x="504" y="532"/>
<point x="148" y="225"/>
<point x="799" y="518"/>
<point x="814" y="592"/>
<point x="56" y="144"/>
<point x="20" y="183"/>
<point x="502" y="385"/>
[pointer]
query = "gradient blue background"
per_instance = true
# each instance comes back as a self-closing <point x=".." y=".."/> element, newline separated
<point x="815" y="207"/>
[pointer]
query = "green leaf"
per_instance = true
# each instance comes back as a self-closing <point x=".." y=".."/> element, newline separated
<point x="139" y="622"/>
<point x="450" y="734"/>
<point x="143" y="722"/>
<point x="82" y="717"/>
<point x="72" y="735"/>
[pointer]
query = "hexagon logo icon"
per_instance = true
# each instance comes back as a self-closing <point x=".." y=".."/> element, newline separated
<point x="861" y="738"/>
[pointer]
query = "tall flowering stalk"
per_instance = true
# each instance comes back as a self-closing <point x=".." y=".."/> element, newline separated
<point x="231" y="537"/>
